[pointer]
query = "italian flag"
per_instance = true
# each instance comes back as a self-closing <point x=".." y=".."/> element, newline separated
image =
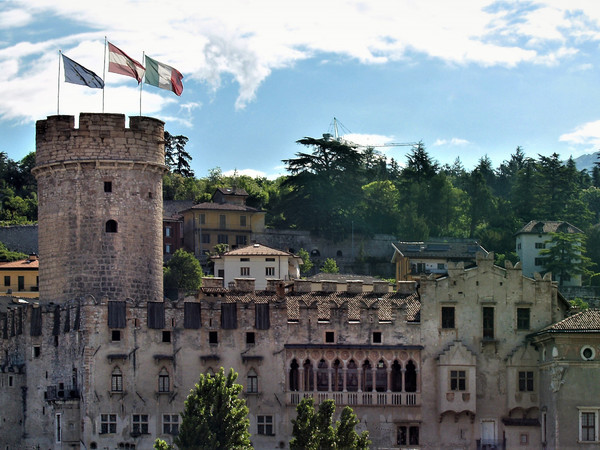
<point x="163" y="76"/>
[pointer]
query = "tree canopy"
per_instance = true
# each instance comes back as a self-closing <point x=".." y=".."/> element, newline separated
<point x="182" y="272"/>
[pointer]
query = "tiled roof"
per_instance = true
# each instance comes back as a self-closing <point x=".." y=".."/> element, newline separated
<point x="458" y="250"/>
<point x="548" y="226"/>
<point x="584" y="321"/>
<point x="256" y="250"/>
<point x="23" y="264"/>
<point x="342" y="278"/>
<point x="222" y="207"/>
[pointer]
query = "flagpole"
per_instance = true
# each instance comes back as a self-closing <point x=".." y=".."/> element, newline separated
<point x="104" y="75"/>
<point x="58" y="95"/>
<point x="142" y="81"/>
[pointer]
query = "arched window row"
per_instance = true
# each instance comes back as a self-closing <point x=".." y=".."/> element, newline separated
<point x="355" y="376"/>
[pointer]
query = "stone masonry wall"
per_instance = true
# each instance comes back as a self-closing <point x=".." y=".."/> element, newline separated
<point x="78" y="256"/>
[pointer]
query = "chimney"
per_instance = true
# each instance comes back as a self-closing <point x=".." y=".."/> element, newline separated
<point x="355" y="286"/>
<point x="245" y="284"/>
<point x="32" y="257"/>
<point x="381" y="287"/>
<point x="406" y="287"/>
<point x="280" y="289"/>
<point x="212" y="282"/>
<point x="272" y="284"/>
<point x="302" y="286"/>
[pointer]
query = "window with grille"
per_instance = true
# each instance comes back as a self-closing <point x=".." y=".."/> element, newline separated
<point x="458" y="380"/>
<point x="170" y="423"/>
<point x="139" y="423"/>
<point x="270" y="271"/>
<point x="108" y="423"/>
<point x="264" y="425"/>
<point x="588" y="426"/>
<point x="488" y="322"/>
<point x="252" y="383"/>
<point x="526" y="381"/>
<point x="116" y="380"/>
<point x="163" y="381"/>
<point x="245" y="271"/>
<point x="523" y="318"/>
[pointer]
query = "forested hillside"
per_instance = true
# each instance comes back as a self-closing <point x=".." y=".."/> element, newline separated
<point x="333" y="188"/>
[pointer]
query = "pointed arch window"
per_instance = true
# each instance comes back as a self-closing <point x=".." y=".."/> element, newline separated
<point x="410" y="377"/>
<point x="322" y="376"/>
<point x="352" y="377"/>
<point x="337" y="376"/>
<point x="381" y="377"/>
<point x="396" y="377"/>
<point x="309" y="379"/>
<point x="367" y="376"/>
<point x="294" y="375"/>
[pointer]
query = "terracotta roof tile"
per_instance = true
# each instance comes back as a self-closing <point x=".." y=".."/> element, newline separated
<point x="256" y="250"/>
<point x="548" y="226"/>
<point x="588" y="320"/>
<point x="23" y="264"/>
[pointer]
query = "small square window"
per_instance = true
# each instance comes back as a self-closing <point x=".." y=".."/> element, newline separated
<point x="523" y="438"/>
<point x="213" y="337"/>
<point x="108" y="423"/>
<point x="250" y="338"/>
<point x="108" y="186"/>
<point x="166" y="336"/>
<point x="330" y="336"/>
<point x="116" y="335"/>
<point x="376" y="337"/>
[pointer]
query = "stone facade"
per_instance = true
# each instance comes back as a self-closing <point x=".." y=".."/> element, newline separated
<point x="467" y="361"/>
<point x="100" y="206"/>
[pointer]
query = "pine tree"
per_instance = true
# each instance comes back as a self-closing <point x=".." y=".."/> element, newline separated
<point x="564" y="256"/>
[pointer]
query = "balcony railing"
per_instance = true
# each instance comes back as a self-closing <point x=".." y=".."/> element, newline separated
<point x="358" y="398"/>
<point x="491" y="444"/>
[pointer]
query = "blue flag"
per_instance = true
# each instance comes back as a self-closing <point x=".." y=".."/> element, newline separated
<point x="77" y="74"/>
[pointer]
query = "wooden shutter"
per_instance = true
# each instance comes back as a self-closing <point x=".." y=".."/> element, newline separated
<point x="116" y="315"/>
<point x="229" y="315"/>
<point x="36" y="322"/>
<point x="156" y="315"/>
<point x="262" y="319"/>
<point x="191" y="315"/>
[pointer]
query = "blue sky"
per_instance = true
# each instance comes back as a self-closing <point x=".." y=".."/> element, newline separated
<point x="468" y="78"/>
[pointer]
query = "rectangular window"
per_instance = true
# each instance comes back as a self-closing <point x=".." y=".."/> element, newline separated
<point x="222" y="221"/>
<point x="205" y="238"/>
<point x="139" y="424"/>
<point x="168" y="231"/>
<point x="229" y="316"/>
<point x="488" y="322"/>
<point x="250" y="338"/>
<point x="222" y="239"/>
<point x="526" y="381"/>
<point x="242" y="221"/>
<point x="21" y="281"/>
<point x="245" y="271"/>
<point x="213" y="337"/>
<point x="330" y="337"/>
<point x="241" y="240"/>
<point x="264" y="425"/>
<point x="108" y="423"/>
<point x="6" y="280"/>
<point x="163" y="382"/>
<point x="170" y="423"/>
<point x="58" y="424"/>
<point x="108" y="186"/>
<point x="408" y="435"/>
<point x="168" y="249"/>
<point x="458" y="380"/>
<point x="588" y="426"/>
<point x="447" y="316"/>
<point x="203" y="219"/>
<point x="252" y="384"/>
<point x="376" y="337"/>
<point x="166" y="336"/>
<point x="270" y="271"/>
<point x="523" y="318"/>
<point x="116" y="335"/>
<point x="270" y="259"/>
<point x="538" y="261"/>
<point x="441" y="266"/>
<point x="37" y="350"/>
<point x="116" y="382"/>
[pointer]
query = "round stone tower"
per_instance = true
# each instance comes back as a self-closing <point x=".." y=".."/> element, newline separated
<point x="100" y="207"/>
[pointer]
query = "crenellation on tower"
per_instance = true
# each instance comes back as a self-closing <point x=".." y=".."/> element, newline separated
<point x="100" y="207"/>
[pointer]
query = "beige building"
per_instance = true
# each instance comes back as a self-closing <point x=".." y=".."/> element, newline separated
<point x="259" y="262"/>
<point x="20" y="278"/>
<point x="482" y="358"/>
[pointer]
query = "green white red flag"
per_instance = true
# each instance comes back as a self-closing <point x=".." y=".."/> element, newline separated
<point x="119" y="62"/>
<point x="163" y="76"/>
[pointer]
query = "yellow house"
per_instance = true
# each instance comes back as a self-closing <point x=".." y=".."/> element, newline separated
<point x="226" y="219"/>
<point x="20" y="278"/>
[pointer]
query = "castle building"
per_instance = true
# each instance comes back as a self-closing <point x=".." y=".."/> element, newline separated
<point x="483" y="358"/>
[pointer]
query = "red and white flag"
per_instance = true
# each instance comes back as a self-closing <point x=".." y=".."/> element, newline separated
<point x="119" y="62"/>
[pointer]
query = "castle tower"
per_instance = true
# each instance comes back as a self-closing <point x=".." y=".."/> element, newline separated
<point x="100" y="207"/>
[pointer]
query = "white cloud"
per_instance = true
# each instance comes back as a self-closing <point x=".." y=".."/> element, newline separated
<point x="249" y="172"/>
<point x="248" y="40"/>
<point x="455" y="142"/>
<point x="587" y="134"/>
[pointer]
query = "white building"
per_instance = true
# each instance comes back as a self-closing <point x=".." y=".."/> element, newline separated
<point x="533" y="238"/>
<point x="258" y="262"/>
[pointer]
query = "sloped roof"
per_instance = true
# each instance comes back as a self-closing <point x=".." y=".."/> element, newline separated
<point x="456" y="250"/>
<point x="256" y="250"/>
<point x="584" y="321"/>
<point x="23" y="264"/>
<point x="232" y="191"/>
<point x="222" y="207"/>
<point x="548" y="226"/>
<point x="342" y="277"/>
